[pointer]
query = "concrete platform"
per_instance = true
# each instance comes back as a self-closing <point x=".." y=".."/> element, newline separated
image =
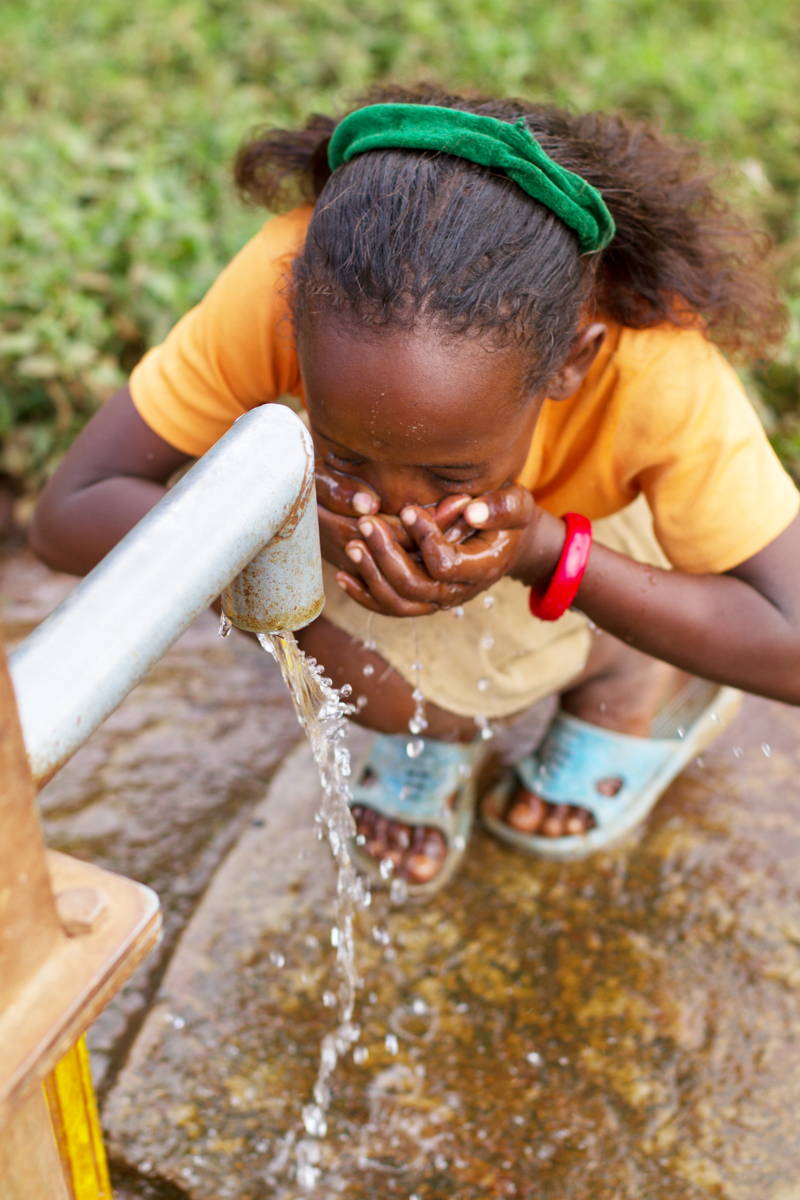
<point x="614" y="1030"/>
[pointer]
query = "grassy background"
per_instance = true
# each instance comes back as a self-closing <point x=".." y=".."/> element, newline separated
<point x="120" y="122"/>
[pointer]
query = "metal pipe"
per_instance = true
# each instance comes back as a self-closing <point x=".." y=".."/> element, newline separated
<point x="253" y="489"/>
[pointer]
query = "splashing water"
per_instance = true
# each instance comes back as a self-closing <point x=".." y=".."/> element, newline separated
<point x="418" y="722"/>
<point x="322" y="712"/>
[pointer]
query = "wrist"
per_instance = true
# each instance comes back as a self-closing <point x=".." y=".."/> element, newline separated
<point x="540" y="551"/>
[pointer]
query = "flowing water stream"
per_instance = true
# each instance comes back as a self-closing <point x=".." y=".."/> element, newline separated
<point x="322" y="712"/>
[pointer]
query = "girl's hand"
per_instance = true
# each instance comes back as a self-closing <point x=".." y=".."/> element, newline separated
<point x="483" y="539"/>
<point x="341" y="500"/>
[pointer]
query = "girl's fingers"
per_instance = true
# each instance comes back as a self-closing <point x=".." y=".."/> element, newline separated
<point x="356" y="591"/>
<point x="407" y="577"/>
<point x="334" y="533"/>
<point x="507" y="508"/>
<point x="480" y="559"/>
<point x="345" y="495"/>
<point x="448" y="511"/>
<point x="409" y="574"/>
<point x="409" y="600"/>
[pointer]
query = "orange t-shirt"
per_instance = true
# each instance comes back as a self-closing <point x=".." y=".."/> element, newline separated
<point x="660" y="412"/>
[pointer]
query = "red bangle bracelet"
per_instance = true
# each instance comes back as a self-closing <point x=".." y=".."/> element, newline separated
<point x="569" y="572"/>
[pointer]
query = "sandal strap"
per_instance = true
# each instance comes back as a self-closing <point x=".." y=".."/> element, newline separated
<point x="574" y="756"/>
<point x="415" y="790"/>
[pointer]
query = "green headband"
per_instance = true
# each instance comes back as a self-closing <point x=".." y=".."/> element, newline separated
<point x="485" y="140"/>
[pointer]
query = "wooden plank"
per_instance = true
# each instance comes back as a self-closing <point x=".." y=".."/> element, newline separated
<point x="29" y="927"/>
<point x="30" y="1165"/>
<point x="82" y="973"/>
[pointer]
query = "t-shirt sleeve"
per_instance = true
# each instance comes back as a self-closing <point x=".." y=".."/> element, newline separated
<point x="233" y="351"/>
<point x="691" y="441"/>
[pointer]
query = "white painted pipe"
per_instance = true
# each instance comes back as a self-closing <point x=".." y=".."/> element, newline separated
<point x="246" y="507"/>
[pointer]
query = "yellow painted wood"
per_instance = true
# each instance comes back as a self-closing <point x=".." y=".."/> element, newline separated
<point x="76" y="1125"/>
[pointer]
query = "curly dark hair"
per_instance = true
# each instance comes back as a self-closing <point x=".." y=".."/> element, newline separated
<point x="400" y="235"/>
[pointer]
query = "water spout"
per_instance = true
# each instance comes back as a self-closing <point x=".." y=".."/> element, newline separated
<point x="241" y="523"/>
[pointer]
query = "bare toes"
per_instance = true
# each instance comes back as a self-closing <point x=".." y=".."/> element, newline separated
<point x="554" y="824"/>
<point x="578" y="821"/>
<point x="526" y="811"/>
<point x="424" y="860"/>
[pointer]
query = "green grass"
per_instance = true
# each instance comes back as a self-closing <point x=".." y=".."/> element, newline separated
<point x="120" y="121"/>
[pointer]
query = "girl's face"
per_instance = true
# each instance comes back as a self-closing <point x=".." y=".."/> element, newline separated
<point x="415" y="417"/>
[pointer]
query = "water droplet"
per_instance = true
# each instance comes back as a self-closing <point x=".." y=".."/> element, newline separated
<point x="329" y="999"/>
<point x="487" y="601"/>
<point x="418" y="1006"/>
<point x="487" y="641"/>
<point x="314" y="1121"/>
<point x="386" y="868"/>
<point x="276" y="958"/>
<point x="360" y="1055"/>
<point x="484" y="684"/>
<point x="336" y="935"/>
<point x="485" y="729"/>
<point x="391" y="1043"/>
<point x="440" y="1162"/>
<point x="415" y="747"/>
<point x="417" y="724"/>
<point x="225" y="625"/>
<point x="766" y="749"/>
<point x="368" y="669"/>
<point x="345" y="690"/>
<point x="457" y="612"/>
<point x="681" y="732"/>
<point x="738" y="752"/>
<point x="398" y="890"/>
<point x="534" y="1058"/>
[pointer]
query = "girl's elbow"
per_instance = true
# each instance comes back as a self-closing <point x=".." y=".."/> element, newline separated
<point x="43" y="535"/>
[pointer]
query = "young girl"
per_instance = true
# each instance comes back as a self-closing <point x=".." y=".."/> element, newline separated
<point x="498" y="317"/>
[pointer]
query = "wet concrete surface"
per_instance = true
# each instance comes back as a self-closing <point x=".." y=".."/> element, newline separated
<point x="622" y="1029"/>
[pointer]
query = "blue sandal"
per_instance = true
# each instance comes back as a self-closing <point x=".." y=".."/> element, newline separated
<point x="436" y="788"/>
<point x="579" y="764"/>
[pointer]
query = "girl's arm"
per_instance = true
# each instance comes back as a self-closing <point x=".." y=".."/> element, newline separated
<point x="112" y="475"/>
<point x="741" y="628"/>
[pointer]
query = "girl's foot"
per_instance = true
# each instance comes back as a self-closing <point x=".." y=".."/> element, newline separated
<point x="407" y="805"/>
<point x="621" y="690"/>
<point x="420" y="851"/>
